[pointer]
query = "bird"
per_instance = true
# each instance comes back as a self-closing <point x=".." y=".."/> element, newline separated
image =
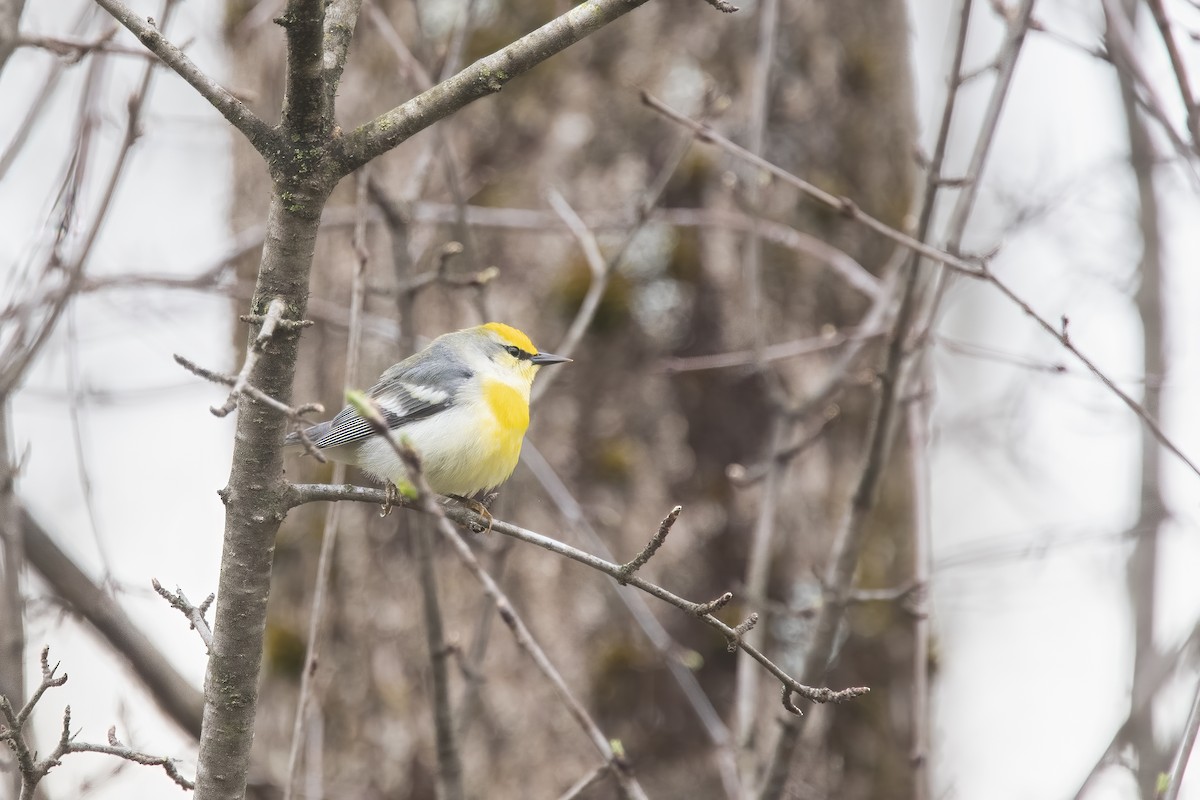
<point x="463" y="404"/>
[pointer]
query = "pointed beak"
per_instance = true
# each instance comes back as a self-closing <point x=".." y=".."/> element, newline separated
<point x="543" y="359"/>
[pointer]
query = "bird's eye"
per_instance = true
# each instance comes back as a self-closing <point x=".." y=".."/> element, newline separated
<point x="513" y="351"/>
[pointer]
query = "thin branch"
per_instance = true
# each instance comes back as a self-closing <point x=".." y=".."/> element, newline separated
<point x="74" y="49"/>
<point x="299" y="494"/>
<point x="1180" y="68"/>
<point x="450" y="768"/>
<point x="845" y="205"/>
<point x="13" y="555"/>
<point x="978" y="270"/>
<point x="39" y="103"/>
<point x="295" y="414"/>
<point x="602" y="269"/>
<point x="847" y="543"/>
<point x="32" y="770"/>
<point x="586" y="782"/>
<point x="176" y="697"/>
<point x="647" y="552"/>
<point x="19" y="354"/>
<point x="1018" y="26"/>
<point x="484" y="77"/>
<point x="1125" y="51"/>
<point x="1064" y="340"/>
<point x="260" y="134"/>
<point x="811" y="345"/>
<point x="758" y="564"/>
<point x="665" y="646"/>
<point x="194" y="614"/>
<point x="1142" y="703"/>
<point x="341" y="17"/>
<point x="1184" y="751"/>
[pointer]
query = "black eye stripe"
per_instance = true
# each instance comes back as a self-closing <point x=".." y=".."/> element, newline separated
<point x="517" y="352"/>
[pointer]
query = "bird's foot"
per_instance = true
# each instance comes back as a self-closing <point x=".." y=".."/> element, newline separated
<point x="391" y="499"/>
<point x="479" y="508"/>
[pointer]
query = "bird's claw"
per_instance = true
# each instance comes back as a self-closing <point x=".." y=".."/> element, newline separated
<point x="391" y="499"/>
<point x="479" y="508"/>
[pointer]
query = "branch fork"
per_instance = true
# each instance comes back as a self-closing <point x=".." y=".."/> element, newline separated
<point x="32" y="769"/>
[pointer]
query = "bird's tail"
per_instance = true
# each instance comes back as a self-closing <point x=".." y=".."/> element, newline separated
<point x="314" y="434"/>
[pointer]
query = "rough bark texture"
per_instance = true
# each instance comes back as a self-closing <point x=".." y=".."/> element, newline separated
<point x="629" y="439"/>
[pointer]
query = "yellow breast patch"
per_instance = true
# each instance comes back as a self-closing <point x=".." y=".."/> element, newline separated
<point x="508" y="406"/>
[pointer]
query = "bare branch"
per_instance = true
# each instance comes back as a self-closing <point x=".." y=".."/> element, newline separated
<point x="177" y="698"/>
<point x="298" y="494"/>
<point x="842" y="204"/>
<point x="978" y="270"/>
<point x="1183" y="753"/>
<point x="586" y="782"/>
<point x="484" y="77"/>
<point x="194" y="614"/>
<point x="635" y="603"/>
<point x="32" y="770"/>
<point x="1180" y="68"/>
<point x="647" y="552"/>
<point x="255" y="130"/>
<point x="341" y="17"/>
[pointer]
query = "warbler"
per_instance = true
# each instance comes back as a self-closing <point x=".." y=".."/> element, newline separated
<point x="463" y="403"/>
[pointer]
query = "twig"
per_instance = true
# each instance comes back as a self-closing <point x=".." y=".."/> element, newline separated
<point x="1180" y="68"/>
<point x="1161" y="670"/>
<point x="811" y="345"/>
<point x="918" y="413"/>
<point x="600" y="268"/>
<point x="73" y="49"/>
<point x="735" y="639"/>
<point x="260" y="134"/>
<point x="979" y="270"/>
<point x="175" y="695"/>
<point x="32" y="769"/>
<point x="705" y="133"/>
<point x="195" y="614"/>
<point x="1018" y="26"/>
<point x="758" y="563"/>
<point x="847" y="544"/>
<point x="759" y="92"/>
<point x="1184" y="751"/>
<point x="714" y="605"/>
<point x="647" y="552"/>
<point x="300" y="494"/>
<point x="450" y="768"/>
<point x="1060" y="334"/>
<point x="586" y="782"/>
<point x="740" y="475"/>
<point x="295" y="414"/>
<point x="486" y="76"/>
<point x="635" y="603"/>
<point x="40" y="101"/>
<point x="13" y="554"/>
<point x="21" y="348"/>
<point x="241" y="380"/>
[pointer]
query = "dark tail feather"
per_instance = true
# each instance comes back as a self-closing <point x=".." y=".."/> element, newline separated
<point x="314" y="434"/>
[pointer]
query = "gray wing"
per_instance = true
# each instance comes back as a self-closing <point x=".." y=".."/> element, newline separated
<point x="406" y="392"/>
